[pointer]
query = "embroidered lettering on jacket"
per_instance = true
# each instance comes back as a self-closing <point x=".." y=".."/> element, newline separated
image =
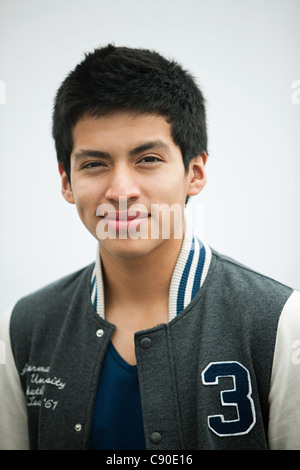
<point x="39" y="377"/>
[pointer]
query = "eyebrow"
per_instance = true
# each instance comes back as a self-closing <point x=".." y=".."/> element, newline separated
<point x="91" y="153"/>
<point x="135" y="151"/>
<point x="148" y="146"/>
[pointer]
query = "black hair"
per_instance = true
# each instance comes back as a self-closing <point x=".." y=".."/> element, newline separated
<point x="113" y="79"/>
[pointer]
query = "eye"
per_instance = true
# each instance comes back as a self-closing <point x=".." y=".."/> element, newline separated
<point x="150" y="159"/>
<point x="93" y="165"/>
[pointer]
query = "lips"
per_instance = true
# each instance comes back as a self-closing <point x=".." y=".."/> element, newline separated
<point x="122" y="220"/>
<point x="126" y="215"/>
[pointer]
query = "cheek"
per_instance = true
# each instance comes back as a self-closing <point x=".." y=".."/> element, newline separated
<point x="171" y="189"/>
<point x="86" y="198"/>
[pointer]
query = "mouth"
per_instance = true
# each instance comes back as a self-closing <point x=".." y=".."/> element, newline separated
<point x="127" y="215"/>
<point x="122" y="220"/>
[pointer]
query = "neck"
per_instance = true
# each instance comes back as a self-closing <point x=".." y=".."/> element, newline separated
<point x="129" y="281"/>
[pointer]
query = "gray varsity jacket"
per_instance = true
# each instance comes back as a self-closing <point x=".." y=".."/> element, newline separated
<point x="207" y="378"/>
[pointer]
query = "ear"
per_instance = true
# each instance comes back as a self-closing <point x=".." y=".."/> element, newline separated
<point x="197" y="174"/>
<point x="66" y="186"/>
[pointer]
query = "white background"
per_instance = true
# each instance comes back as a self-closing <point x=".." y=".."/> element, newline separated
<point x="245" y="55"/>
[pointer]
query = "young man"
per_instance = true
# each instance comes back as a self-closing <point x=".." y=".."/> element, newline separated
<point x="162" y="343"/>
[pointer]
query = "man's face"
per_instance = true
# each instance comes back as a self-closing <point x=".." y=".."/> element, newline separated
<point x="124" y="167"/>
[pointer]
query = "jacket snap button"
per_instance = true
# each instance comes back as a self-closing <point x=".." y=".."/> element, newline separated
<point x="99" y="333"/>
<point x="155" y="438"/>
<point x="78" y="427"/>
<point x="145" y="343"/>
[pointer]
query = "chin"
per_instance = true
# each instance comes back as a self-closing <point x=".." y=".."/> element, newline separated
<point x="130" y="249"/>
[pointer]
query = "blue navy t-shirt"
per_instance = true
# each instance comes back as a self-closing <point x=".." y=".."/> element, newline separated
<point x="117" y="422"/>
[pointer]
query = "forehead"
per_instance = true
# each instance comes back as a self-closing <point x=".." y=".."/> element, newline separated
<point x="121" y="130"/>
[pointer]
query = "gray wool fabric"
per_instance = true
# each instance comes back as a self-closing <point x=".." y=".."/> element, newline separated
<point x="204" y="376"/>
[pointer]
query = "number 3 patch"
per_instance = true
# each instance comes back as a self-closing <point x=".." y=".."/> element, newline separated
<point x="239" y="397"/>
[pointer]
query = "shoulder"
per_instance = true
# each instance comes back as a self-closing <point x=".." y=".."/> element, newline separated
<point x="50" y="299"/>
<point x="240" y="279"/>
<point x="61" y="288"/>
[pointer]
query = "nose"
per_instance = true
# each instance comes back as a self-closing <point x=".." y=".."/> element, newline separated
<point x="122" y="184"/>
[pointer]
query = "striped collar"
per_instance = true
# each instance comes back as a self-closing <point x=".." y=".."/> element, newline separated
<point x="188" y="276"/>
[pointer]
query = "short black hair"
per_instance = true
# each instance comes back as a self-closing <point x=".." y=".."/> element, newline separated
<point x="112" y="79"/>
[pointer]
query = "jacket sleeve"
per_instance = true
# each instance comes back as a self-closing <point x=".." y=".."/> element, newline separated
<point x="13" y="415"/>
<point x="284" y="396"/>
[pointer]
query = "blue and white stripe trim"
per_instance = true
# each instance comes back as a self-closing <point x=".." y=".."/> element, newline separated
<point x="188" y="276"/>
<point x="97" y="292"/>
<point x="189" y="273"/>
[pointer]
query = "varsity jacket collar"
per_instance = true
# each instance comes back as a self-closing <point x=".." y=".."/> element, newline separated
<point x="188" y="276"/>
